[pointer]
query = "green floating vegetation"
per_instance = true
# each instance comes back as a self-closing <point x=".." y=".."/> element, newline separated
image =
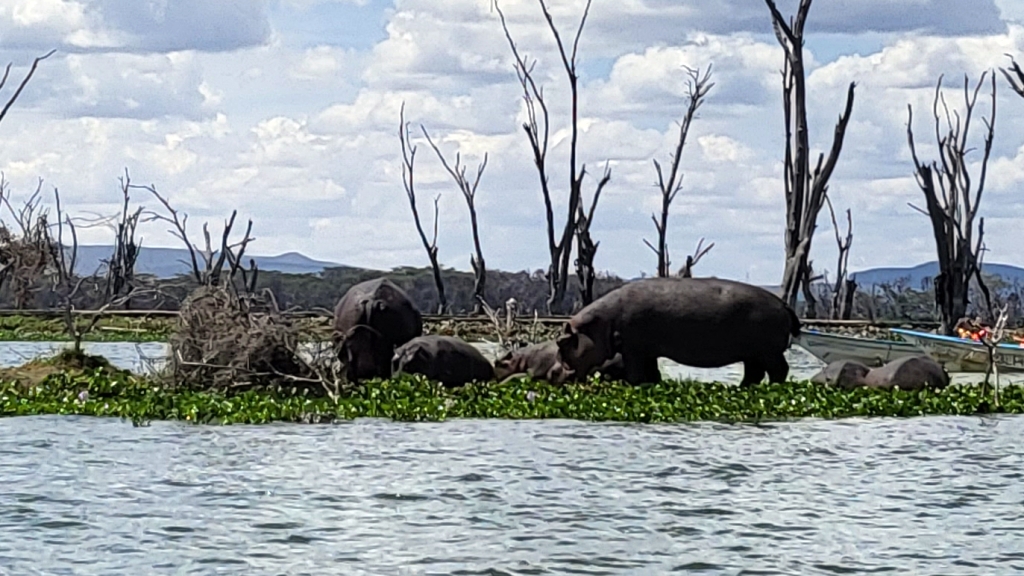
<point x="112" y="393"/>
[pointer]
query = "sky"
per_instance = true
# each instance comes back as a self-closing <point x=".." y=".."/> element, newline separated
<point x="288" y="111"/>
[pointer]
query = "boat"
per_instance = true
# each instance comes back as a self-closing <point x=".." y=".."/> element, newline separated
<point x="873" y="352"/>
<point x="963" y="354"/>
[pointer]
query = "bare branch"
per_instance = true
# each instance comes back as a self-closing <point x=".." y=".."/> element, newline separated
<point x="24" y="82"/>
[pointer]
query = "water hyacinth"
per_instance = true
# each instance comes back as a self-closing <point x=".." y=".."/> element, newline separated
<point x="416" y="399"/>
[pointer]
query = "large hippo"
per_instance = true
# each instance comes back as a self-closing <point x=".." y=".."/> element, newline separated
<point x="540" y="362"/>
<point x="909" y="373"/>
<point x="700" y="322"/>
<point x="447" y="359"/>
<point x="365" y="354"/>
<point x="383" y="306"/>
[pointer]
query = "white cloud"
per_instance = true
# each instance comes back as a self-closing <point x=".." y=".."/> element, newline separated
<point x="222" y="109"/>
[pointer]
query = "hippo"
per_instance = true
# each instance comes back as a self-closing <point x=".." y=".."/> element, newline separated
<point x="540" y="362"/>
<point x="700" y="322"/>
<point x="909" y="373"/>
<point x="447" y="359"/>
<point x="366" y="354"/>
<point x="842" y="374"/>
<point x="382" y="306"/>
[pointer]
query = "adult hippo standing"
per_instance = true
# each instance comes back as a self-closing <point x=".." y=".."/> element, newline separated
<point x="381" y="305"/>
<point x="700" y="322"/>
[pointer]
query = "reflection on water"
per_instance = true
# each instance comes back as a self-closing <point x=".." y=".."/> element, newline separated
<point x="904" y="496"/>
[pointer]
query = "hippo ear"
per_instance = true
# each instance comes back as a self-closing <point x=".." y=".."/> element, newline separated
<point x="616" y="340"/>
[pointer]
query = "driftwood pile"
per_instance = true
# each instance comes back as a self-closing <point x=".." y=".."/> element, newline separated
<point x="220" y="341"/>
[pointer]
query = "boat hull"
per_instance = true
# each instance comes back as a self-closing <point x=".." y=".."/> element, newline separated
<point x="961" y="355"/>
<point x="873" y="352"/>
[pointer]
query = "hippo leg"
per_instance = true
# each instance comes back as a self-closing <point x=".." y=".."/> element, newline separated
<point x="639" y="369"/>
<point x="778" y="368"/>
<point x="753" y="373"/>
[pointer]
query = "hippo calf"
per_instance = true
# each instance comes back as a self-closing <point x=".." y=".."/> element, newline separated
<point x="365" y="354"/>
<point x="700" y="322"/>
<point x="540" y="362"/>
<point x="908" y="373"/>
<point x="447" y="359"/>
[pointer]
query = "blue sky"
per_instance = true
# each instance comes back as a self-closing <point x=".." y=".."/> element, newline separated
<point x="288" y="111"/>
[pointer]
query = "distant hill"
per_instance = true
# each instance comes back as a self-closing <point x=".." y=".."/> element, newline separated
<point x="917" y="274"/>
<point x="169" y="262"/>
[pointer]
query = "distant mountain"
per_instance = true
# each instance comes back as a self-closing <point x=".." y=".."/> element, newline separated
<point x="916" y="275"/>
<point x="168" y="262"/>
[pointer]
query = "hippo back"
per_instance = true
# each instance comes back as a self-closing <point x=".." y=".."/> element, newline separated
<point x="695" y="321"/>
<point x="447" y="359"/>
<point x="382" y="305"/>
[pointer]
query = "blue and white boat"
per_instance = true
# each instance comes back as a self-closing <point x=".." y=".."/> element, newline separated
<point x="829" y="347"/>
<point x="965" y="355"/>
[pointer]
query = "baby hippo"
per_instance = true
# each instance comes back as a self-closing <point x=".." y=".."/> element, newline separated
<point x="540" y="362"/>
<point x="909" y="373"/>
<point x="447" y="359"/>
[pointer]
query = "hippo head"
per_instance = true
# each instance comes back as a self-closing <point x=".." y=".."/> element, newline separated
<point x="581" y="352"/>
<point x="366" y="353"/>
<point x="506" y="365"/>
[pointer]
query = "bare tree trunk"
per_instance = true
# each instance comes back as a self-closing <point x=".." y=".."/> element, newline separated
<point x="586" y="248"/>
<point x="849" y="292"/>
<point x="952" y="205"/>
<point x="468" y="189"/>
<point x="687" y="270"/>
<point x="840" y="302"/>
<point x="408" y="159"/>
<point x="698" y="89"/>
<point x="560" y="249"/>
<point x="805" y="188"/>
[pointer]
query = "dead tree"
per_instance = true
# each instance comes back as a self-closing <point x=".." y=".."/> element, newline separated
<point x="559" y="248"/>
<point x="698" y="88"/>
<point x="25" y="252"/>
<point x="468" y="189"/>
<point x="805" y="189"/>
<point x="1016" y="79"/>
<point x="120" y="276"/>
<point x="586" y="248"/>
<point x="408" y="159"/>
<point x="951" y="203"/>
<point x="24" y="82"/>
<point x="691" y="261"/>
<point x="843" y="288"/>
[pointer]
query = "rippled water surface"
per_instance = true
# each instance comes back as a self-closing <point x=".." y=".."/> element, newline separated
<point x="917" y="496"/>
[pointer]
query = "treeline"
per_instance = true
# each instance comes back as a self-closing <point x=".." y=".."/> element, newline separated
<point x="891" y="301"/>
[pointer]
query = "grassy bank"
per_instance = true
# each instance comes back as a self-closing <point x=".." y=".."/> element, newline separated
<point x="98" y="390"/>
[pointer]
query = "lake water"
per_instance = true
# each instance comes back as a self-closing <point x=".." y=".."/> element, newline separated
<point x="149" y="355"/>
<point x="917" y="496"/>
